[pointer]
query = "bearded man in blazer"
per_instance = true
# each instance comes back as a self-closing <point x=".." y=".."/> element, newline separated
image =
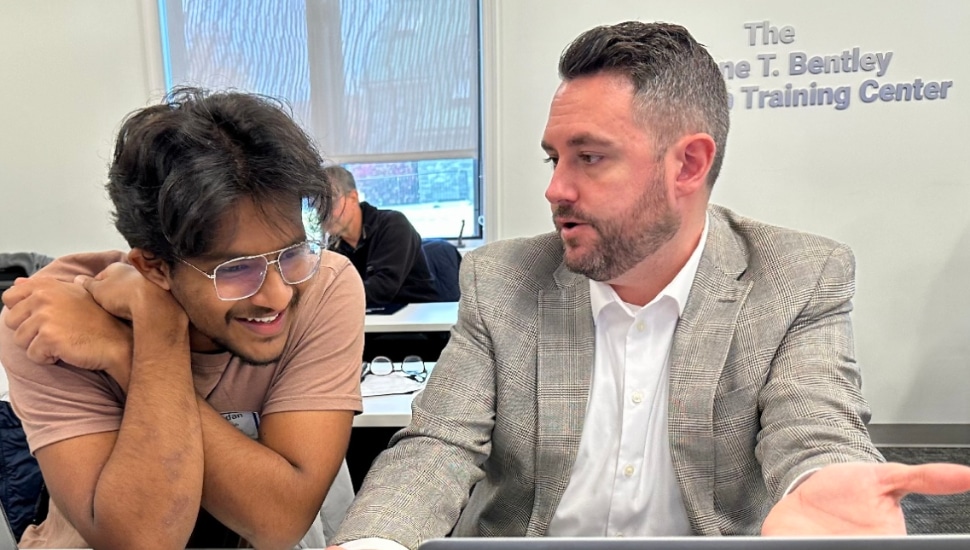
<point x="658" y="366"/>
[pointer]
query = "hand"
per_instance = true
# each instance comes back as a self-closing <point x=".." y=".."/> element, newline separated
<point x="860" y="498"/>
<point x="120" y="289"/>
<point x="56" y="321"/>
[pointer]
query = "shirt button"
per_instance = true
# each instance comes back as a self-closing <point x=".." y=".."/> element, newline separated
<point x="628" y="470"/>
<point x="637" y="397"/>
<point x="640" y="326"/>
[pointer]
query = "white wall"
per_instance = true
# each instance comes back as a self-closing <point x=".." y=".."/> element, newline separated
<point x="885" y="178"/>
<point x="890" y="179"/>
<point x="71" y="71"/>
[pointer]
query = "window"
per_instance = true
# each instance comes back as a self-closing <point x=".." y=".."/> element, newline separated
<point x="388" y="88"/>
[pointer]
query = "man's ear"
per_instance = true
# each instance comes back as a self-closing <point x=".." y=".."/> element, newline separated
<point x="152" y="267"/>
<point x="693" y="155"/>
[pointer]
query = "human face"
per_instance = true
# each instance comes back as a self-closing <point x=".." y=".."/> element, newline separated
<point x="341" y="218"/>
<point x="608" y="191"/>
<point x="254" y="328"/>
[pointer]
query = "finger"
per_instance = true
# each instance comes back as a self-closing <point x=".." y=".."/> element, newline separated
<point x="15" y="315"/>
<point x="13" y="295"/>
<point x="930" y="479"/>
<point x="26" y="338"/>
<point x="40" y="353"/>
<point x="89" y="283"/>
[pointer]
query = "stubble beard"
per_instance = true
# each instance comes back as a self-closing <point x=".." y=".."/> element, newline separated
<point x="624" y="240"/>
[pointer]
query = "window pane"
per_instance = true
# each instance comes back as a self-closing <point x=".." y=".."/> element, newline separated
<point x="409" y="79"/>
<point x="437" y="196"/>
<point x="250" y="45"/>
<point x="390" y="87"/>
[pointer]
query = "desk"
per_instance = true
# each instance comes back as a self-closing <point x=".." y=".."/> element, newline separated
<point x="431" y="317"/>
<point x="385" y="411"/>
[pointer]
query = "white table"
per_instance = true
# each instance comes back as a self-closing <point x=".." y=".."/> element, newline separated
<point x="394" y="411"/>
<point x="431" y="317"/>
<point x="387" y="411"/>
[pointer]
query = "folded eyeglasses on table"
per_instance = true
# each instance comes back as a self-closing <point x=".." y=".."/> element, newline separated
<point x="381" y="376"/>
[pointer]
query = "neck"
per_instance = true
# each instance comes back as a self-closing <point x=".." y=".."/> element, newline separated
<point x="644" y="281"/>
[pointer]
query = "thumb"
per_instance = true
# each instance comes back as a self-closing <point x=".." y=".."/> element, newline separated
<point x="930" y="479"/>
<point x="85" y="281"/>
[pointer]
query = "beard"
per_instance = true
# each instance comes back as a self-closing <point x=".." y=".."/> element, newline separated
<point x="624" y="239"/>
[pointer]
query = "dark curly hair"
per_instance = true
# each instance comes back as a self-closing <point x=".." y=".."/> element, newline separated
<point x="679" y="87"/>
<point x="179" y="166"/>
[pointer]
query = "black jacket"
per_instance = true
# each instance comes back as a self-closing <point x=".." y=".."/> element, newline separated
<point x="389" y="259"/>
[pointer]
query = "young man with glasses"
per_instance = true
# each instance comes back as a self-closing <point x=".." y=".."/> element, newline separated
<point x="198" y="390"/>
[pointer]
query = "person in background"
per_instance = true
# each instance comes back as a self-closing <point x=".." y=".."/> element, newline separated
<point x="199" y="389"/>
<point x="382" y="244"/>
<point x="658" y="366"/>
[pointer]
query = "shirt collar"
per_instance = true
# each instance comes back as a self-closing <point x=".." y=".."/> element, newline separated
<point x="602" y="294"/>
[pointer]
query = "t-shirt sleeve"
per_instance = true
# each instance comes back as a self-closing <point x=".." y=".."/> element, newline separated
<point x="320" y="368"/>
<point x="58" y="402"/>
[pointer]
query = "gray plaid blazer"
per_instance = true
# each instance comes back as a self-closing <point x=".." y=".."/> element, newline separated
<point x="763" y="387"/>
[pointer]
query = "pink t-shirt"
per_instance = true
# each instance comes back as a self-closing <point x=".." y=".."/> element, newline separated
<point x="318" y="370"/>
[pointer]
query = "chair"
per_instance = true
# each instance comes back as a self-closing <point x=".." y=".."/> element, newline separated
<point x="9" y="274"/>
<point x="444" y="261"/>
<point x="19" y="264"/>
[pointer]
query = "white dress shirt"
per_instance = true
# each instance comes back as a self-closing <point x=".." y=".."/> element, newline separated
<point x="623" y="483"/>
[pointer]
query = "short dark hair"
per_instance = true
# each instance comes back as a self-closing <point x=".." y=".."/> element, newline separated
<point x="678" y="85"/>
<point x="341" y="179"/>
<point x="180" y="165"/>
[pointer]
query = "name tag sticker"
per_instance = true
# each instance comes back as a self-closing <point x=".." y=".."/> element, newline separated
<point x="247" y="422"/>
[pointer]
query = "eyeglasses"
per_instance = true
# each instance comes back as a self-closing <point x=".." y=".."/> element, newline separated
<point x="240" y="278"/>
<point x="412" y="366"/>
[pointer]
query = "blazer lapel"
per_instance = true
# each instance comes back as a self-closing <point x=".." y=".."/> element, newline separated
<point x="564" y="369"/>
<point x="699" y="350"/>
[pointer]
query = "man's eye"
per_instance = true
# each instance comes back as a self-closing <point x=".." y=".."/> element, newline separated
<point x="589" y="158"/>
<point x="232" y="270"/>
<point x="551" y="160"/>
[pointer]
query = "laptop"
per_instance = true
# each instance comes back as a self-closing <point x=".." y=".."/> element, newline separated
<point x="913" y="542"/>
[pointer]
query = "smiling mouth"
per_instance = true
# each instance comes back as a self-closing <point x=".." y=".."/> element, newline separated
<point x="267" y="325"/>
<point x="265" y="320"/>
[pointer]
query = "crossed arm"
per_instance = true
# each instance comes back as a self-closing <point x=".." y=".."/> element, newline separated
<point x="142" y="485"/>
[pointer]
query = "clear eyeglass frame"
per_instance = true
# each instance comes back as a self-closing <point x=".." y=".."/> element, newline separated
<point x="311" y="250"/>
<point x="412" y="366"/>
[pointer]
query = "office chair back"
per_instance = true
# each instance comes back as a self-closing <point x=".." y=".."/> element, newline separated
<point x="8" y="274"/>
<point x="444" y="261"/>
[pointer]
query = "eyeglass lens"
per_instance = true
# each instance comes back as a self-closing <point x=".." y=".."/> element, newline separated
<point x="412" y="364"/>
<point x="243" y="277"/>
<point x="381" y="366"/>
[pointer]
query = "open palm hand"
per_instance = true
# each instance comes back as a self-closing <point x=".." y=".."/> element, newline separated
<point x="860" y="498"/>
